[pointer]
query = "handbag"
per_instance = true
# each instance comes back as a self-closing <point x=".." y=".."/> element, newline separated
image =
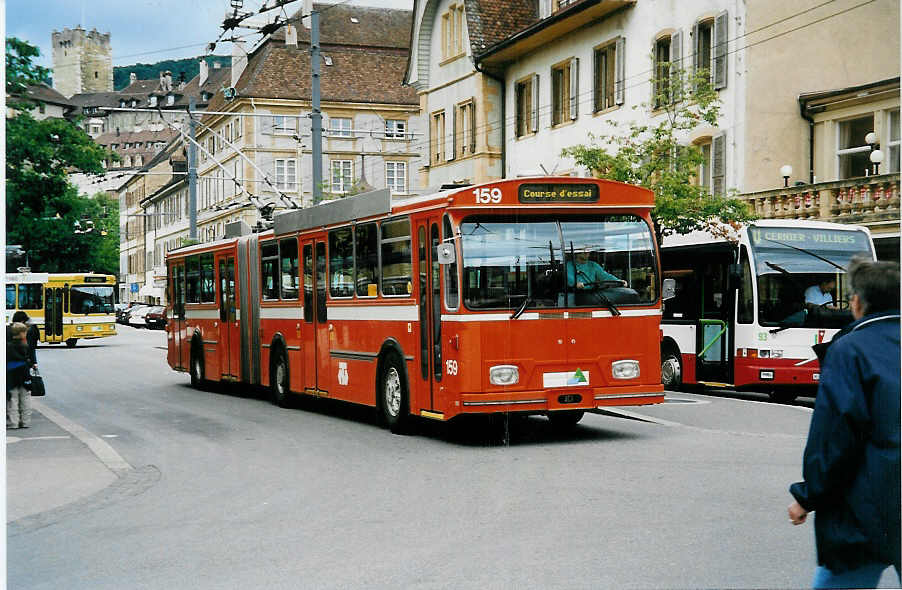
<point x="37" y="383"/>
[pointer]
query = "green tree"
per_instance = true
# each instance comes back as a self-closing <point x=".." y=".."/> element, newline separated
<point x="42" y="207"/>
<point x="654" y="155"/>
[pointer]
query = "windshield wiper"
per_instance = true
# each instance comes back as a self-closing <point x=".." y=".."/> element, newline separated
<point x="522" y="308"/>
<point x="776" y="268"/>
<point x="805" y="251"/>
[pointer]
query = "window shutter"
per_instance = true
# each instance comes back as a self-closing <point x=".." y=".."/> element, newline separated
<point x="574" y="88"/>
<point x="473" y="127"/>
<point x="718" y="164"/>
<point x="534" y="115"/>
<point x="720" y="50"/>
<point x="454" y="133"/>
<point x="597" y="82"/>
<point x="676" y="63"/>
<point x="620" y="69"/>
<point x="695" y="48"/>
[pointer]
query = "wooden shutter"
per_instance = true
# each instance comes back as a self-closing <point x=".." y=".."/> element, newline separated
<point x="574" y="88"/>
<point x="449" y="137"/>
<point x="718" y="164"/>
<point x="534" y="115"/>
<point x="620" y="69"/>
<point x="695" y="48"/>
<point x="676" y="63"/>
<point x="473" y="127"/>
<point x="720" y="50"/>
<point x="598" y="79"/>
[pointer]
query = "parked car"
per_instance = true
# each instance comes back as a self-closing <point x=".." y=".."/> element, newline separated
<point x="136" y="316"/>
<point x="156" y="317"/>
<point x="123" y="310"/>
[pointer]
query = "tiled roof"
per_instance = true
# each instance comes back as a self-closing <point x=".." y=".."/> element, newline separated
<point x="491" y="21"/>
<point x="375" y="27"/>
<point x="45" y="93"/>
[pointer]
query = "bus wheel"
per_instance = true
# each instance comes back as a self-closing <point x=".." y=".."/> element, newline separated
<point x="562" y="420"/>
<point x="197" y="369"/>
<point x="393" y="395"/>
<point x="71" y="342"/>
<point x="671" y="370"/>
<point x="279" y="381"/>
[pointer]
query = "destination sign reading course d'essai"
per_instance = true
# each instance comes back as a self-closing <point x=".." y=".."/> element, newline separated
<point x="558" y="193"/>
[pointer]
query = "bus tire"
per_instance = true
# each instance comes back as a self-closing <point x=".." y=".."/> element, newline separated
<point x="671" y="369"/>
<point x="197" y="371"/>
<point x="394" y="398"/>
<point x="71" y="342"/>
<point x="279" y="380"/>
<point x="563" y="420"/>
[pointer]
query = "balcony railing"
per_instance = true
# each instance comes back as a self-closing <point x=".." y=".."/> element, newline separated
<point x="864" y="200"/>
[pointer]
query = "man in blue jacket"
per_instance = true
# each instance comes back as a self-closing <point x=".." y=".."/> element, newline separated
<point x="851" y="462"/>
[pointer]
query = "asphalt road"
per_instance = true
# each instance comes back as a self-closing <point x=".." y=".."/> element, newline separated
<point x="226" y="490"/>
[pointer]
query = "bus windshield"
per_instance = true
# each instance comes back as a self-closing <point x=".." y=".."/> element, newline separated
<point x="801" y="281"/>
<point x="542" y="262"/>
<point x="91" y="299"/>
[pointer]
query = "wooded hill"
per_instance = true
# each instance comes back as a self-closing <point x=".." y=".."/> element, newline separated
<point x="188" y="66"/>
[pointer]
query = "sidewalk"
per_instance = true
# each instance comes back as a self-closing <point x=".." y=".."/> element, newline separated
<point x="53" y="463"/>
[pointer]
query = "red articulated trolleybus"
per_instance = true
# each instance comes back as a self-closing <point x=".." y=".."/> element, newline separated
<point x="534" y="295"/>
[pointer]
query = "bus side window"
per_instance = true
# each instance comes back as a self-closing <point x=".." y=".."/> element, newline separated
<point x="396" y="256"/>
<point x="269" y="270"/>
<point x="207" y="280"/>
<point x="745" y="313"/>
<point x="341" y="263"/>
<point x="10" y="297"/>
<point x="31" y="296"/>
<point x="452" y="296"/>
<point x="366" y="259"/>
<point x="288" y="264"/>
<point x="308" y="284"/>
<point x="192" y="283"/>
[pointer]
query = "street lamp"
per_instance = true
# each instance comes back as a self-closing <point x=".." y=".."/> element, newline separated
<point x="870" y="139"/>
<point x="786" y="172"/>
<point x="876" y="159"/>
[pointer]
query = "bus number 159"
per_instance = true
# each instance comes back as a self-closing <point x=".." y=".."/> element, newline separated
<point x="485" y="195"/>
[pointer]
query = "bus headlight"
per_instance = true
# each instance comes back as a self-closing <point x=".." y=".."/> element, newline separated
<point x="504" y="375"/>
<point x="627" y="369"/>
<point x="79" y="328"/>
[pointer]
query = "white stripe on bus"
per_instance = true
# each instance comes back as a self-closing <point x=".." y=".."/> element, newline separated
<point x="398" y="313"/>
<point x="499" y="317"/>
<point x="281" y="313"/>
<point x="202" y="314"/>
<point x="97" y="319"/>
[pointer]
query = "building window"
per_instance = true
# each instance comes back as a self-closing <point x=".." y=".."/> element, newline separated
<point x="452" y="31"/>
<point x="238" y="127"/>
<point x="703" y="177"/>
<point x="662" y="71"/>
<point x="395" y="129"/>
<point x="527" y="105"/>
<point x="342" y="176"/>
<point x="892" y="146"/>
<point x="703" y="37"/>
<point x="609" y="74"/>
<point x="465" y="129"/>
<point x="709" y="49"/>
<point x="286" y="174"/>
<point x="564" y="92"/>
<point x="853" y="152"/>
<point x="283" y="124"/>
<point x="396" y="177"/>
<point x="340" y="127"/>
<point x="438" y="137"/>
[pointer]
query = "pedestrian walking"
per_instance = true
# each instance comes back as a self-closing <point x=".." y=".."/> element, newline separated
<point x="18" y="364"/>
<point x="851" y="463"/>
<point x="32" y="335"/>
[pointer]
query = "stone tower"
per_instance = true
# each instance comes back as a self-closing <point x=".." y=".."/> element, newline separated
<point x="82" y="61"/>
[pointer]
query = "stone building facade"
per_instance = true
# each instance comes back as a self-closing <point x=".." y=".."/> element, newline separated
<point x="82" y="61"/>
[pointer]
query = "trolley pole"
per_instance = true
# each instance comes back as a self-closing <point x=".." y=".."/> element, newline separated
<point x="316" y="115"/>
<point x="192" y="172"/>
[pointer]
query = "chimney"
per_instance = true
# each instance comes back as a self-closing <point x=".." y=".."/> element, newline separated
<point x="181" y="80"/>
<point x="239" y="61"/>
<point x="291" y="36"/>
<point x="132" y="78"/>
<point x="204" y="73"/>
<point x="168" y="81"/>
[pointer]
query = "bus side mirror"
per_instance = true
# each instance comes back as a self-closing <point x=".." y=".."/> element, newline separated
<point x="445" y="253"/>
<point x="668" y="289"/>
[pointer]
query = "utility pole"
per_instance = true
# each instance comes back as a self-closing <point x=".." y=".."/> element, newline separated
<point x="316" y="116"/>
<point x="192" y="172"/>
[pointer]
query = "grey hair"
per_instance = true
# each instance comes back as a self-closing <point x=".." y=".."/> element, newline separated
<point x="876" y="283"/>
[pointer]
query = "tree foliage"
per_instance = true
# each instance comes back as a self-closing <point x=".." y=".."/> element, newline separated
<point x="42" y="207"/>
<point x="189" y="67"/>
<point x="655" y="155"/>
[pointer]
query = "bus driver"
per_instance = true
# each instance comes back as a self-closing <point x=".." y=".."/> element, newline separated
<point x="588" y="275"/>
<point x="821" y="294"/>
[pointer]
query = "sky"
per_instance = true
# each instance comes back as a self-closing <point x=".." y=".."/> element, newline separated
<point x="141" y="31"/>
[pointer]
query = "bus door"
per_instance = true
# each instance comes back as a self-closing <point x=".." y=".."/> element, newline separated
<point x="321" y="326"/>
<point x="53" y="314"/>
<point x="308" y="334"/>
<point x="714" y="332"/>
<point x="229" y="345"/>
<point x="176" y="326"/>
<point x="430" y="311"/>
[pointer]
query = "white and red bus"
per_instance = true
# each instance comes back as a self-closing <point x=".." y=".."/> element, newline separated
<point x="741" y="317"/>
<point x="463" y="301"/>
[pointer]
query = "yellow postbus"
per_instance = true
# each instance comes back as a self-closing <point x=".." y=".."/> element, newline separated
<point x="66" y="307"/>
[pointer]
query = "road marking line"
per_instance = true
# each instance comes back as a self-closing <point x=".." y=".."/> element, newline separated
<point x="15" y="439"/>
<point x="636" y="416"/>
<point x="107" y="455"/>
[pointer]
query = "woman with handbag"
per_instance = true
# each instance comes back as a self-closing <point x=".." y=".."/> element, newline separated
<point x="19" y="363"/>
